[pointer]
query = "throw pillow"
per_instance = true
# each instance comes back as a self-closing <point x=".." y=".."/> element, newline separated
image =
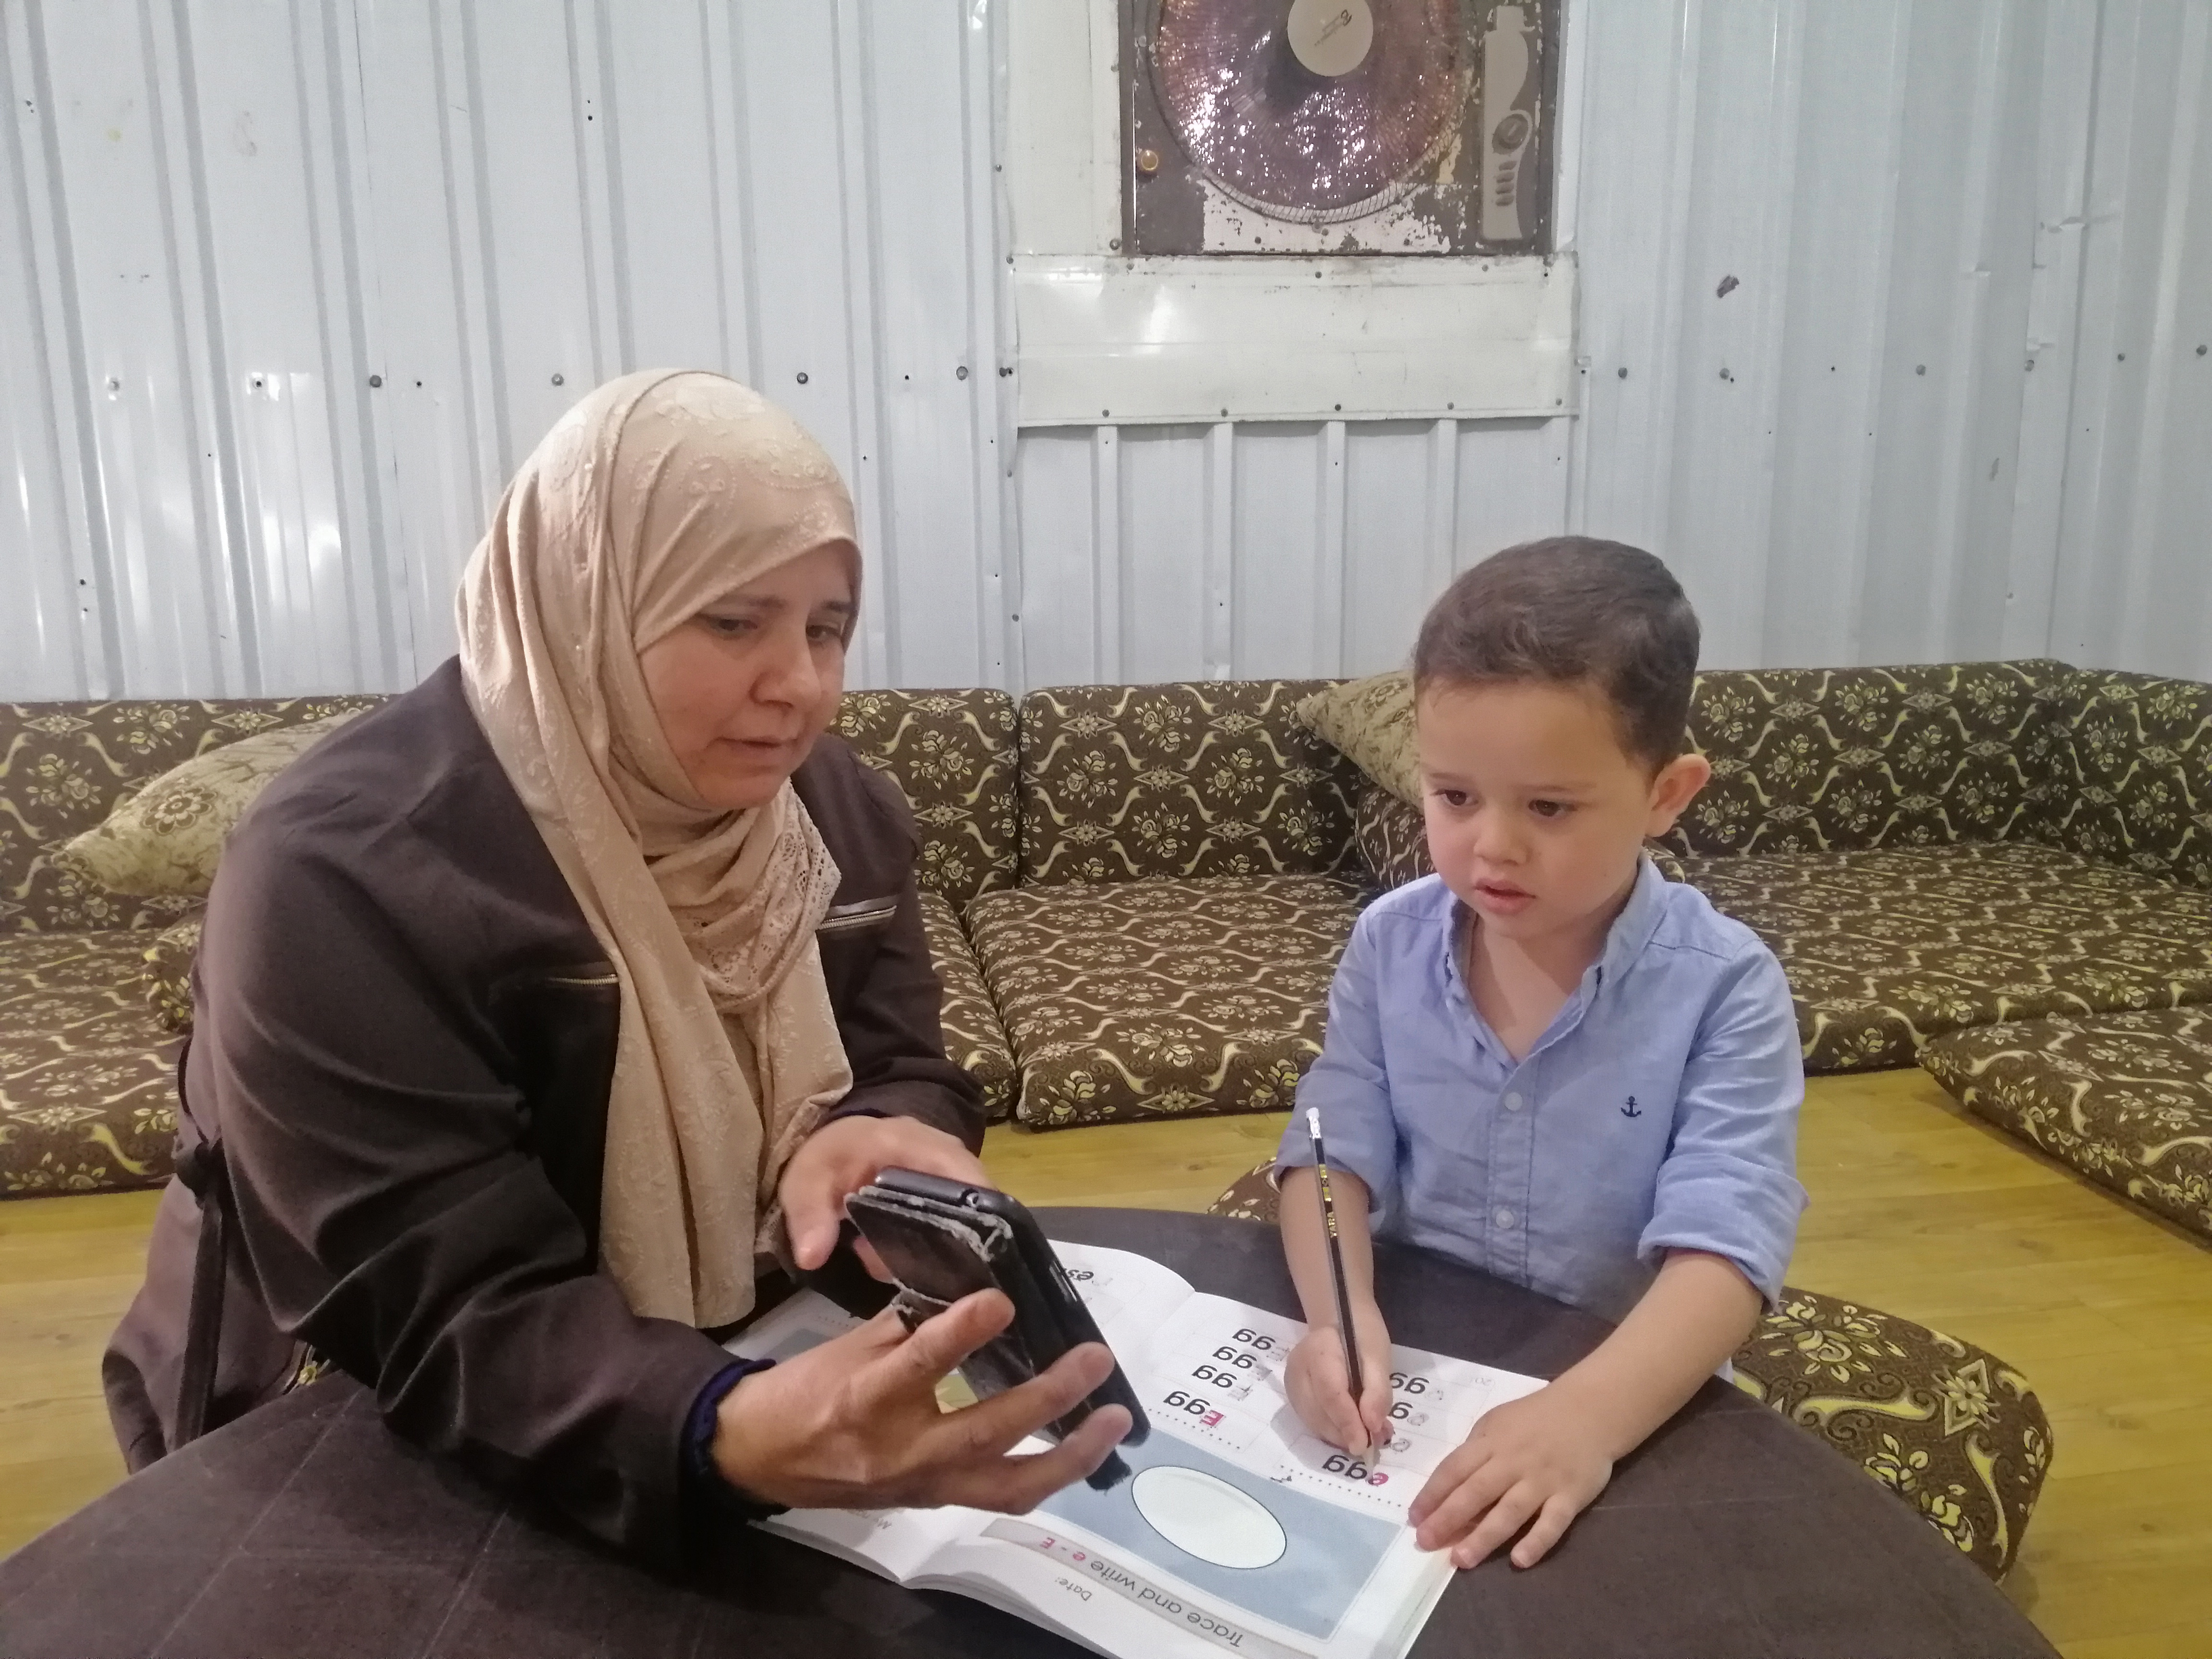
<point x="1371" y="722"/>
<point x="166" y="838"/>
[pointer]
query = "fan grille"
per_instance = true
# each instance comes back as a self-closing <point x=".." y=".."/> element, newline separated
<point x="1299" y="145"/>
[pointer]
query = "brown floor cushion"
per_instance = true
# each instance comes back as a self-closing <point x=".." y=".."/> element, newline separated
<point x="2126" y="1099"/>
<point x="1888" y="948"/>
<point x="1949" y="1427"/>
<point x="87" y="1089"/>
<point x="973" y="1036"/>
<point x="1150" y="999"/>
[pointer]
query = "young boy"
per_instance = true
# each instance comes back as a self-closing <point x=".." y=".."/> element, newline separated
<point x="1546" y="1060"/>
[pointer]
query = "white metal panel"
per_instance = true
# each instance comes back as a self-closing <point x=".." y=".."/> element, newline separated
<point x="56" y="628"/>
<point x="242" y="213"/>
<point x="2131" y="583"/>
<point x="1186" y="339"/>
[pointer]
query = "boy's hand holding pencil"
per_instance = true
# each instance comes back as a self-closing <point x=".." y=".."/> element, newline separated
<point x="1319" y="1378"/>
<point x="1319" y="1386"/>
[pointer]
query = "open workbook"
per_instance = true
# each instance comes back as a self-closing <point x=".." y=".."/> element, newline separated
<point x="1239" y="1531"/>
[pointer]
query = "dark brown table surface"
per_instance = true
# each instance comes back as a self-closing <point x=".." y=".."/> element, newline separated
<point x="307" y="1529"/>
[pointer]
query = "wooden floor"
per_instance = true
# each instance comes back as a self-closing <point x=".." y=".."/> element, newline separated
<point x="1915" y="1209"/>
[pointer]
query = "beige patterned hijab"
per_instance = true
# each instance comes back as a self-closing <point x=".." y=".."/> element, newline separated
<point x="652" y="498"/>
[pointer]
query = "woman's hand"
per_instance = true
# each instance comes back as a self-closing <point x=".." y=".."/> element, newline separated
<point x="855" y="1423"/>
<point x="843" y="1156"/>
<point x="1319" y="1385"/>
<point x="1541" y="1457"/>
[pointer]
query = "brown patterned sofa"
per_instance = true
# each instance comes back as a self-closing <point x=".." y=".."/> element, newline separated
<point x="1136" y="894"/>
<point x="86" y="1101"/>
<point x="1949" y="1427"/>
<point x="95" y="986"/>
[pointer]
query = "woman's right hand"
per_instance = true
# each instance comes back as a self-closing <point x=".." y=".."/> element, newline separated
<point x="855" y="1423"/>
<point x="1318" y="1383"/>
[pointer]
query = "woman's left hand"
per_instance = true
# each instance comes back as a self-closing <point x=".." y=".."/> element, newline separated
<point x="844" y="1156"/>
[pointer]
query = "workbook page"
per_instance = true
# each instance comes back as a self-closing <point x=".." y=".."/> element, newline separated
<point x="1237" y="1531"/>
<point x="1236" y="1511"/>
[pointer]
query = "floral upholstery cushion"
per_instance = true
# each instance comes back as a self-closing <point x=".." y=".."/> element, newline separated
<point x="169" y="836"/>
<point x="973" y="1039"/>
<point x="2126" y="1099"/>
<point x="168" y="972"/>
<point x="1205" y="778"/>
<point x="88" y="1085"/>
<point x="64" y="766"/>
<point x="1949" y="1427"/>
<point x="1139" y="1000"/>
<point x="1885" y="949"/>
<point x="2132" y="782"/>
<point x="1371" y="722"/>
<point x="1393" y="842"/>
<point x="1811" y="759"/>
<point x="953" y="753"/>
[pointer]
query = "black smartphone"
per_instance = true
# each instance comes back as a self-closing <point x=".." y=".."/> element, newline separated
<point x="942" y="1240"/>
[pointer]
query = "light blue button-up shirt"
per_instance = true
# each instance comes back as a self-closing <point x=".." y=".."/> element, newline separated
<point x="1658" y="1111"/>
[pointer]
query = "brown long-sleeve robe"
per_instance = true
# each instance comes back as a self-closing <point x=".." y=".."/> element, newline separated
<point x="403" y="1038"/>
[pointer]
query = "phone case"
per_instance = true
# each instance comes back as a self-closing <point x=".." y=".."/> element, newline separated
<point x="942" y="1240"/>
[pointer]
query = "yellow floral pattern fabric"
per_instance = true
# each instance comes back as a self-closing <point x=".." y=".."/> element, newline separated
<point x="65" y="766"/>
<point x="2125" y="1099"/>
<point x="1888" y="948"/>
<point x="954" y="755"/>
<point x="87" y="1084"/>
<point x="1949" y="1427"/>
<point x="973" y="1039"/>
<point x="2133" y="777"/>
<point x="1836" y="759"/>
<point x="168" y="837"/>
<point x="1175" y="782"/>
<point x="168" y="973"/>
<point x="1128" y="1000"/>
<point x="1371" y="722"/>
<point x="1393" y="840"/>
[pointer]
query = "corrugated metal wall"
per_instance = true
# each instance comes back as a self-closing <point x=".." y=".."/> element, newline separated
<point x="288" y="286"/>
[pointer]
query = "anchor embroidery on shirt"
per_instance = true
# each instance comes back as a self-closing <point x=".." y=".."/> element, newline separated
<point x="1631" y="1109"/>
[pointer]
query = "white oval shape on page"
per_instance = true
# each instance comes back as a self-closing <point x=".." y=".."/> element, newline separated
<point x="1208" y="1518"/>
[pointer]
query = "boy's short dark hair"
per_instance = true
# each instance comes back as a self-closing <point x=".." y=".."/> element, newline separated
<point x="1569" y="609"/>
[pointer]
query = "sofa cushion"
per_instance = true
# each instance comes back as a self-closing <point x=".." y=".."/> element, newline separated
<point x="2132" y="778"/>
<point x="65" y="765"/>
<point x="1212" y="778"/>
<point x="168" y="837"/>
<point x="1371" y="722"/>
<point x="973" y="1039"/>
<point x="1813" y="759"/>
<point x="953" y="753"/>
<point x="1392" y="837"/>
<point x="2125" y="1099"/>
<point x="1136" y="999"/>
<point x="1885" y="949"/>
<point x="88" y="1085"/>
<point x="167" y="969"/>
<point x="1949" y="1427"/>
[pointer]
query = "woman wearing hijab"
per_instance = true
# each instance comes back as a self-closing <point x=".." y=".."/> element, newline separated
<point x="540" y="1013"/>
